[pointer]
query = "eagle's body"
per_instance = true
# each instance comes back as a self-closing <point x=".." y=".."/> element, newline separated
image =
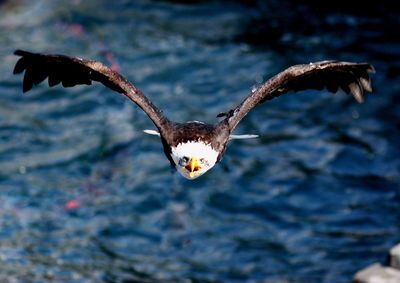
<point x="195" y="147"/>
<point x="204" y="142"/>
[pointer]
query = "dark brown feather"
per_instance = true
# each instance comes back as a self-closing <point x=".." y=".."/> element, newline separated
<point x="350" y="77"/>
<point x="71" y="71"/>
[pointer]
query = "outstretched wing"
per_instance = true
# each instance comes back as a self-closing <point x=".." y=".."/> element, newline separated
<point x="350" y="77"/>
<point x="71" y="71"/>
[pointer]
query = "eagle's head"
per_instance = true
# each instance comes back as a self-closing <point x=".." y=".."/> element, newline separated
<point x="193" y="158"/>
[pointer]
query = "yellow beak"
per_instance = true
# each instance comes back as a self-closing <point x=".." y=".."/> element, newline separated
<point x="193" y="166"/>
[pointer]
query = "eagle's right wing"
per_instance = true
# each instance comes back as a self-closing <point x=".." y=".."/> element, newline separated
<point x="71" y="71"/>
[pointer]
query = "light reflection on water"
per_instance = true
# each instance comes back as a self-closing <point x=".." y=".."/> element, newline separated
<point x="87" y="197"/>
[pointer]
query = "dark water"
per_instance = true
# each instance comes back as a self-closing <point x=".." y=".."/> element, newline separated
<point x="85" y="196"/>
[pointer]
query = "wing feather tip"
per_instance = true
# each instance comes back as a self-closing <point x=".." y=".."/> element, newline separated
<point x="20" y="52"/>
<point x="371" y="69"/>
<point x="19" y="68"/>
<point x="26" y="86"/>
<point x="357" y="92"/>
<point x="366" y="84"/>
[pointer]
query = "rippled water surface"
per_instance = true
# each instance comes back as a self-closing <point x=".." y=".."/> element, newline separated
<point x="86" y="196"/>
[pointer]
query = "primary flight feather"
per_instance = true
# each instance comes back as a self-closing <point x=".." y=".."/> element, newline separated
<point x="195" y="147"/>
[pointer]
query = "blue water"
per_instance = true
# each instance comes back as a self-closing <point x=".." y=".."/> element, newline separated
<point x="85" y="196"/>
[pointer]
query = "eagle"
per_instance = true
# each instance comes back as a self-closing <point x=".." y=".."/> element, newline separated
<point x="195" y="147"/>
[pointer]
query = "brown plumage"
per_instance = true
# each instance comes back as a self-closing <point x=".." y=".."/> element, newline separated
<point x="350" y="77"/>
<point x="70" y="71"/>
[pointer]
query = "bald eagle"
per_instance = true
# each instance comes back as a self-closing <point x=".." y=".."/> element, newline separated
<point x="194" y="147"/>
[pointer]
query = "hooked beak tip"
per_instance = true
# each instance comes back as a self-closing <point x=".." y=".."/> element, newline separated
<point x="193" y="166"/>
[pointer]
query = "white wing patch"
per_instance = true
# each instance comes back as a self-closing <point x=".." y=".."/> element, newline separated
<point x="242" y="137"/>
<point x="151" y="132"/>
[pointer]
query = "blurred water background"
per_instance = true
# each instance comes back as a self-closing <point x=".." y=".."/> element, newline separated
<point x="85" y="196"/>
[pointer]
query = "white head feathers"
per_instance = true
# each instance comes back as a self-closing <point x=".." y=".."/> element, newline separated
<point x="204" y="152"/>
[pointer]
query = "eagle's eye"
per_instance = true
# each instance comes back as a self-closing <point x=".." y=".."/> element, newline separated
<point x="203" y="161"/>
<point x="183" y="161"/>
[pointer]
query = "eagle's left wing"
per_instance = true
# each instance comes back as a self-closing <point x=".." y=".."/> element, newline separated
<point x="350" y="77"/>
